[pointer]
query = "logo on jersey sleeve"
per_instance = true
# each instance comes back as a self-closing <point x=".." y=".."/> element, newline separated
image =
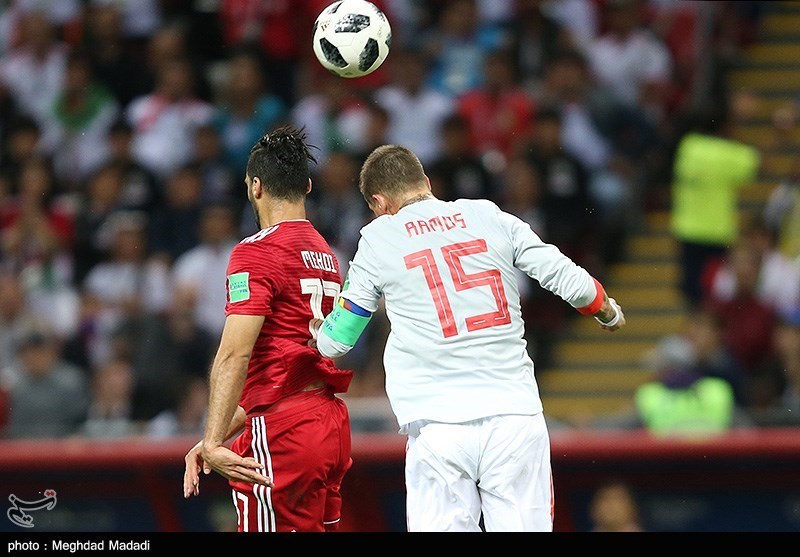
<point x="239" y="287"/>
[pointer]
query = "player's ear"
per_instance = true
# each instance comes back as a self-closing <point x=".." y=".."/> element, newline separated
<point x="377" y="203"/>
<point x="428" y="181"/>
<point x="308" y="188"/>
<point x="256" y="187"/>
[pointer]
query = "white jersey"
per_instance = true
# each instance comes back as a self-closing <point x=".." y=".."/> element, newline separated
<point x="446" y="270"/>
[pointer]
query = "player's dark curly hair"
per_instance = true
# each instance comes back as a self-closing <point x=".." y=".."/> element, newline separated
<point x="281" y="160"/>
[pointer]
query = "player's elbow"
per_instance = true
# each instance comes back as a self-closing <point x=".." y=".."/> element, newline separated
<point x="331" y="348"/>
<point x="231" y="358"/>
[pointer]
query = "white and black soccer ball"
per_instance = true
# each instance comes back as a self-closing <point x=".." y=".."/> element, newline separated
<point x="352" y="38"/>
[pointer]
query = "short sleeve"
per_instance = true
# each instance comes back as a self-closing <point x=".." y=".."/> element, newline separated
<point x="745" y="162"/>
<point x="253" y="279"/>
<point x="361" y="285"/>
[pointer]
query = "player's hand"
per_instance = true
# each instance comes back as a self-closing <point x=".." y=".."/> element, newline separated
<point x="620" y="322"/>
<point x="191" y="474"/>
<point x="231" y="466"/>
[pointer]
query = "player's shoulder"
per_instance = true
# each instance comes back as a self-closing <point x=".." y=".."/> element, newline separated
<point x="477" y="204"/>
<point x="375" y="225"/>
<point x="281" y="238"/>
<point x="261" y="237"/>
<point x="258" y="253"/>
<point x="256" y="243"/>
<point x="488" y="215"/>
<point x="480" y="207"/>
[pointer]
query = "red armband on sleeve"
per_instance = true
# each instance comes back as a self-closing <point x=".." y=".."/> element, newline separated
<point x="597" y="303"/>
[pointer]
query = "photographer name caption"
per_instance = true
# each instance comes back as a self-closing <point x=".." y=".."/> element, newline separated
<point x="72" y="546"/>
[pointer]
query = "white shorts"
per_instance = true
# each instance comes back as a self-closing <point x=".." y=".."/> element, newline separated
<point x="498" y="467"/>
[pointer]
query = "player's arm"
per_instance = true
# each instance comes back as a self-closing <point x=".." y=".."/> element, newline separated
<point x="342" y="328"/>
<point x="605" y="310"/>
<point x="193" y="461"/>
<point x="353" y="310"/>
<point x="559" y="274"/>
<point x="226" y="381"/>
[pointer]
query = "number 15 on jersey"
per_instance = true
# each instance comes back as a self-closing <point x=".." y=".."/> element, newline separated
<point x="463" y="282"/>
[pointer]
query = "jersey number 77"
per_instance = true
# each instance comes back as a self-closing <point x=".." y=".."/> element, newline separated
<point x="318" y="289"/>
<point x="462" y="281"/>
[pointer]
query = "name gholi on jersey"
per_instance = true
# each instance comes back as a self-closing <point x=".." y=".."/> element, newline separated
<point x="439" y="223"/>
<point x="319" y="260"/>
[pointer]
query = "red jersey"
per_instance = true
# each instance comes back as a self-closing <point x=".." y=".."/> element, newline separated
<point x="288" y="274"/>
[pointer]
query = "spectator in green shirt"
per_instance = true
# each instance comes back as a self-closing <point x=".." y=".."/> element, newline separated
<point x="709" y="168"/>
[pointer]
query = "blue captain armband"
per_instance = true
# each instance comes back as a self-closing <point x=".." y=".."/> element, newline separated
<point x="346" y="322"/>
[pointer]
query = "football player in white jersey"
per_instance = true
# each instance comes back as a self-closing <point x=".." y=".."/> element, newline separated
<point x="458" y="374"/>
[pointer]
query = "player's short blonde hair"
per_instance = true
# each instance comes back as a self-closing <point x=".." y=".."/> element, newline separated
<point x="390" y="170"/>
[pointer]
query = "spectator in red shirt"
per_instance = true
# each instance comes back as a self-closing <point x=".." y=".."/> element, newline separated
<point x="500" y="113"/>
<point x="34" y="227"/>
<point x="748" y="322"/>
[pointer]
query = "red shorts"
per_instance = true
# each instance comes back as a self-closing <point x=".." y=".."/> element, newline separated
<point x="303" y="442"/>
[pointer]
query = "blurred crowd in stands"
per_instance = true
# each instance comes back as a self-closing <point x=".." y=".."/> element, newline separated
<point x="125" y="127"/>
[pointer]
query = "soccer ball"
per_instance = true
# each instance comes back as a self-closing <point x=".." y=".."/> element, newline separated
<point x="352" y="38"/>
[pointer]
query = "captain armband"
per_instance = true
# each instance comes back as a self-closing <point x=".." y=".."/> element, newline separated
<point x="346" y="322"/>
<point x="596" y="303"/>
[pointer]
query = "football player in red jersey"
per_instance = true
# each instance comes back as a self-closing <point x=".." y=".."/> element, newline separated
<point x="268" y="380"/>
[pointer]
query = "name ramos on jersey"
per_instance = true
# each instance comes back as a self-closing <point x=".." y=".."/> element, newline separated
<point x="441" y="223"/>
